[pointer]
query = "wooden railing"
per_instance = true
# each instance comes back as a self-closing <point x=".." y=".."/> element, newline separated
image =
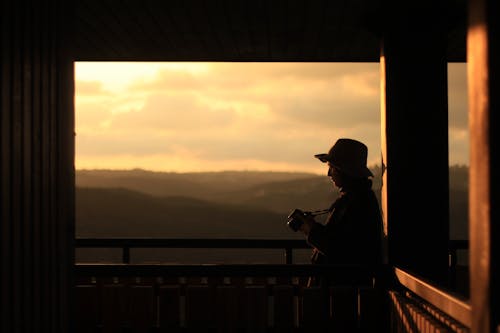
<point x="126" y="244"/>
<point x="256" y="298"/>
<point x="420" y="306"/>
<point x="288" y="245"/>
<point x="226" y="298"/>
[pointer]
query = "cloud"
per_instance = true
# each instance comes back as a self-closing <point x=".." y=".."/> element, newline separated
<point x="457" y="96"/>
<point x="234" y="115"/>
<point x="167" y="80"/>
<point x="248" y="77"/>
<point x="175" y="112"/>
<point x="316" y="93"/>
<point x="91" y="115"/>
<point x="264" y="146"/>
<point x="458" y="146"/>
<point x="110" y="143"/>
<point x="327" y="107"/>
<point x="280" y="113"/>
<point x="90" y="88"/>
<point x="259" y="72"/>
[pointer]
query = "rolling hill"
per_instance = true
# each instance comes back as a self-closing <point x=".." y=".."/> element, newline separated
<point x="118" y="212"/>
<point x="140" y="203"/>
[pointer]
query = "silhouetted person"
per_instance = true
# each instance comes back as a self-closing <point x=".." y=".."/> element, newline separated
<point x="352" y="233"/>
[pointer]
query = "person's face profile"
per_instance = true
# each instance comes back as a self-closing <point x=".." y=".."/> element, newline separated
<point x="334" y="174"/>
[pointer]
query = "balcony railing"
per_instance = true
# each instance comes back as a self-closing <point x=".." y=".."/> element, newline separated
<point x="126" y="244"/>
<point x="254" y="298"/>
<point x="224" y="298"/>
<point x="417" y="301"/>
<point x="288" y="245"/>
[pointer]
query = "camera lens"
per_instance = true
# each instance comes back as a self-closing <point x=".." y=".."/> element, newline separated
<point x="295" y="224"/>
<point x="295" y="219"/>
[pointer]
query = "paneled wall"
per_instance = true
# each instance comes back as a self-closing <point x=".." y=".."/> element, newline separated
<point x="36" y="166"/>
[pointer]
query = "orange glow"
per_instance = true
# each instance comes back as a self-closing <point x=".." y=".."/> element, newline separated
<point x="222" y="116"/>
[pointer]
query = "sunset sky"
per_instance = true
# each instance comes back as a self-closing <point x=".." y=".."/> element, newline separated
<point x="187" y="117"/>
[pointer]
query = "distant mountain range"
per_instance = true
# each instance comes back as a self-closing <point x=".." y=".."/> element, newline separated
<point x="146" y="204"/>
<point x="140" y="203"/>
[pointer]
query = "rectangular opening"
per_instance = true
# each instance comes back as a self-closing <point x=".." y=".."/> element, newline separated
<point x="213" y="150"/>
<point x="458" y="136"/>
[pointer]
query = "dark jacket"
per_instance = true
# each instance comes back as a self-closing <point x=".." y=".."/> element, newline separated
<point x="352" y="234"/>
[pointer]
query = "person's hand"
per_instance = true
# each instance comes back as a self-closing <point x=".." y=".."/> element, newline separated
<point x="307" y="225"/>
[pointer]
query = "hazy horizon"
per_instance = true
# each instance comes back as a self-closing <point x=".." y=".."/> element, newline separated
<point x="229" y="170"/>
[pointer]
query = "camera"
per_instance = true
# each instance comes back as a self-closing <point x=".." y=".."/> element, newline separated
<point x="296" y="219"/>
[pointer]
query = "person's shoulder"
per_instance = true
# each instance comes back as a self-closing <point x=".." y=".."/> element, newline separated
<point x="362" y="197"/>
<point x="341" y="199"/>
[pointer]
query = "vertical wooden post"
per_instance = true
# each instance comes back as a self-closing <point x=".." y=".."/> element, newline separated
<point x="415" y="137"/>
<point x="483" y="69"/>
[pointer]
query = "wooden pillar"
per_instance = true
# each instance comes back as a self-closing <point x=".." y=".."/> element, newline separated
<point x="483" y="69"/>
<point x="415" y="138"/>
<point x="36" y="166"/>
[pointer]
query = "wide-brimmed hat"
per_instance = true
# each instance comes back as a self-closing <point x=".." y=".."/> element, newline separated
<point x="349" y="156"/>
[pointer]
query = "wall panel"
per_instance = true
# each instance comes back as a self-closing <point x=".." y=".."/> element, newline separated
<point x="36" y="165"/>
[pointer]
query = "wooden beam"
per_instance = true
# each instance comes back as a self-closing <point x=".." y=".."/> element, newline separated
<point x="484" y="105"/>
<point x="415" y="138"/>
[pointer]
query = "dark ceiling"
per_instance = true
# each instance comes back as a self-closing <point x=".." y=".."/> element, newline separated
<point x="238" y="30"/>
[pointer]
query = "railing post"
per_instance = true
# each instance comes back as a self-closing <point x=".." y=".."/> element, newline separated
<point x="288" y="255"/>
<point x="126" y="255"/>
<point x="452" y="270"/>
